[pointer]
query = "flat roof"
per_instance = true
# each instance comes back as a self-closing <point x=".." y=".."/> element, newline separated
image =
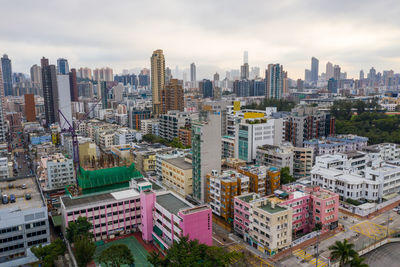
<point x="36" y="200"/>
<point x="172" y="203"/>
<point x="180" y="163"/>
<point x="268" y="208"/>
<point x="248" y="197"/>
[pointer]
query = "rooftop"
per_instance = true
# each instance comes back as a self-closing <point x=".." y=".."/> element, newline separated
<point x="83" y="201"/>
<point x="180" y="163"/>
<point x="268" y="208"/>
<point x="172" y="203"/>
<point x="21" y="203"/>
<point x="248" y="197"/>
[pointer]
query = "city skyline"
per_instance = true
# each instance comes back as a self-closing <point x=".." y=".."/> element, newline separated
<point x="354" y="41"/>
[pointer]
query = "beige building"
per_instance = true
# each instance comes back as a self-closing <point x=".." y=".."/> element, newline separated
<point x="157" y="79"/>
<point x="271" y="229"/>
<point x="177" y="174"/>
<point x="106" y="139"/>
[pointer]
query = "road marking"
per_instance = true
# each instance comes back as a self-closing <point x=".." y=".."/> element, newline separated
<point x="218" y="241"/>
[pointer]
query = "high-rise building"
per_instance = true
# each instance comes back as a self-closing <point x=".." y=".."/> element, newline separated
<point x="274" y="78"/>
<point x="361" y="75"/>
<point x="255" y="73"/>
<point x="62" y="66"/>
<point x="50" y="92"/>
<point x="307" y="75"/>
<point x="85" y="73"/>
<point x="172" y="96"/>
<point x="168" y="75"/>
<point x="314" y="70"/>
<point x="332" y="86"/>
<point x="244" y="71"/>
<point x="103" y="74"/>
<point x="305" y="123"/>
<point x="36" y="74"/>
<point x="157" y="79"/>
<point x="64" y="100"/>
<point x="206" y="151"/>
<point x="73" y="85"/>
<point x="372" y="77"/>
<point x="206" y="88"/>
<point x="30" y="111"/>
<point x="336" y="73"/>
<point x="329" y="71"/>
<point x="245" y="57"/>
<point x="2" y="99"/>
<point x="300" y="85"/>
<point x="192" y="72"/>
<point x="7" y="75"/>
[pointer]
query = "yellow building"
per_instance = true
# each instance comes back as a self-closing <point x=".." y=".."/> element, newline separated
<point x="177" y="174"/>
<point x="87" y="151"/>
<point x="157" y="79"/>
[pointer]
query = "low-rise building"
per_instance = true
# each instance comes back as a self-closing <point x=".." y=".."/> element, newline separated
<point x="56" y="171"/>
<point x="221" y="190"/>
<point x="125" y="136"/>
<point x="161" y="216"/>
<point x="24" y="223"/>
<point x="4" y="168"/>
<point x="336" y="144"/>
<point x="277" y="156"/>
<point x="263" y="180"/>
<point x="177" y="175"/>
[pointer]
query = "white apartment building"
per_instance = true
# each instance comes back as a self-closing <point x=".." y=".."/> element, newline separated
<point x="146" y="126"/>
<point x="353" y="161"/>
<point x="106" y="139"/>
<point x="277" y="156"/>
<point x="4" y="170"/>
<point x="125" y="136"/>
<point x="252" y="133"/>
<point x="58" y="171"/>
<point x="384" y="151"/>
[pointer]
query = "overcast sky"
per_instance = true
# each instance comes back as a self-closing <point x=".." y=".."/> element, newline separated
<point x="356" y="34"/>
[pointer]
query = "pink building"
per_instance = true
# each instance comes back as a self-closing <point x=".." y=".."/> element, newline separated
<point x="242" y="208"/>
<point x="310" y="205"/>
<point x="161" y="216"/>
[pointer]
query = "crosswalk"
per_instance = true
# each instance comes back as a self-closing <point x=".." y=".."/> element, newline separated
<point x="310" y="258"/>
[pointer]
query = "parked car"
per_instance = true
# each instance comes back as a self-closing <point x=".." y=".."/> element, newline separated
<point x="23" y="186"/>
<point x="28" y="196"/>
<point x="5" y="199"/>
<point x="12" y="198"/>
<point x="396" y="209"/>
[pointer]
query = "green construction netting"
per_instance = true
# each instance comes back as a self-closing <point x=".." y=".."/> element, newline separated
<point x="107" y="177"/>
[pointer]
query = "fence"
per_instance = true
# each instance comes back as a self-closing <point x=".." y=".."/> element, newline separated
<point x="368" y="208"/>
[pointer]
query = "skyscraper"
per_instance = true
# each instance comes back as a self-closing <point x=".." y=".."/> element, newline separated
<point x="36" y="79"/>
<point x="7" y="75"/>
<point x="62" y="66"/>
<point x="73" y="85"/>
<point x="332" y="86"/>
<point x="85" y="73"/>
<point x="30" y="111"/>
<point x="206" y="88"/>
<point x="274" y="78"/>
<point x="64" y="99"/>
<point x="314" y="70"/>
<point x="361" y="75"/>
<point x="372" y="77"/>
<point x="307" y="75"/>
<point x="168" y="75"/>
<point x="244" y="71"/>
<point x="206" y="151"/>
<point x="2" y="124"/>
<point x="329" y="71"/>
<point x="245" y="57"/>
<point x="50" y="91"/>
<point x="157" y="78"/>
<point x="336" y="73"/>
<point x="192" y="73"/>
<point x="172" y="96"/>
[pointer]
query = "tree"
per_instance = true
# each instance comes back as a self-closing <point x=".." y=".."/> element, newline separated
<point x="78" y="228"/>
<point x="343" y="251"/>
<point x="116" y="255"/>
<point x="318" y="226"/>
<point x="48" y="254"/>
<point x="286" y="178"/>
<point x="191" y="253"/>
<point x="84" y="250"/>
<point x="358" y="262"/>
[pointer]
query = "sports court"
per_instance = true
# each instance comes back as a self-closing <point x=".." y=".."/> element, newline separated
<point x="371" y="230"/>
<point x="139" y="252"/>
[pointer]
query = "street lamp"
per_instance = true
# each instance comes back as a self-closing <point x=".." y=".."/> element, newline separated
<point x="316" y="258"/>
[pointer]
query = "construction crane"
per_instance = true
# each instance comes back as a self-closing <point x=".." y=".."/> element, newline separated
<point x="72" y="129"/>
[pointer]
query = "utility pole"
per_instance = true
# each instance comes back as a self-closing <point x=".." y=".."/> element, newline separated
<point x="317" y="245"/>
<point x="387" y="225"/>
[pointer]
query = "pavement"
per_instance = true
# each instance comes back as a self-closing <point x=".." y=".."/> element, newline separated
<point x="360" y="232"/>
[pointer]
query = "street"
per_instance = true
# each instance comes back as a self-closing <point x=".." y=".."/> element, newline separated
<point x="361" y="233"/>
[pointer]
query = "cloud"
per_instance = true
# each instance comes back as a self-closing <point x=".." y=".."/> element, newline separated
<point x="214" y="34"/>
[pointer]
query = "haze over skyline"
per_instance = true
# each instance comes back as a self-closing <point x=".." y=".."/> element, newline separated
<point x="213" y="34"/>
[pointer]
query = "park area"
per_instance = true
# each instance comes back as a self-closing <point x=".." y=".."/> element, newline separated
<point x="138" y="250"/>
